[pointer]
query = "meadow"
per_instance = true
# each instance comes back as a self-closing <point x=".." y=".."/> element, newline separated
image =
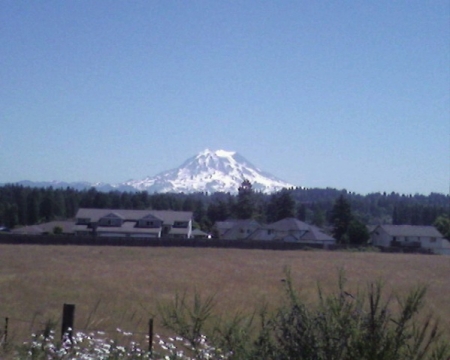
<point x="121" y="287"/>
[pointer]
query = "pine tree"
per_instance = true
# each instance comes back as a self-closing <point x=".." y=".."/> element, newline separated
<point x="442" y="224"/>
<point x="245" y="206"/>
<point x="341" y="216"/>
<point x="281" y="206"/>
<point x="357" y="233"/>
<point x="301" y="212"/>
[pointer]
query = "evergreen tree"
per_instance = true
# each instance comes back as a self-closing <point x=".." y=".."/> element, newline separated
<point x="33" y="207"/>
<point x="218" y="211"/>
<point x="11" y="215"/>
<point x="341" y="216"/>
<point x="301" y="212"/>
<point x="126" y="203"/>
<point x="442" y="224"/>
<point x="188" y="204"/>
<point x="281" y="206"/>
<point x="357" y="233"/>
<point x="245" y="206"/>
<point x="318" y="218"/>
<point x="46" y="209"/>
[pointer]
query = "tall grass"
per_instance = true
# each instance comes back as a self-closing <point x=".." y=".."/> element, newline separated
<point x="341" y="326"/>
<point x="122" y="287"/>
<point x="364" y="325"/>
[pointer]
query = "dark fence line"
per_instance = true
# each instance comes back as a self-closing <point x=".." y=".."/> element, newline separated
<point x="152" y="242"/>
<point x="181" y="242"/>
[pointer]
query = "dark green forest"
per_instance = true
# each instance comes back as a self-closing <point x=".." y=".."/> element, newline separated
<point x="21" y="205"/>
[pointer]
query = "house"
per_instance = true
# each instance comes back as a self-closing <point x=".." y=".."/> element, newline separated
<point x="235" y="229"/>
<point x="133" y="223"/>
<point x="293" y="230"/>
<point x="286" y="230"/>
<point x="425" y="237"/>
<point x="66" y="228"/>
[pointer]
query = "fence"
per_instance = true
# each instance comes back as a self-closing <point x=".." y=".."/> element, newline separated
<point x="180" y="242"/>
<point x="67" y="327"/>
<point x="152" y="242"/>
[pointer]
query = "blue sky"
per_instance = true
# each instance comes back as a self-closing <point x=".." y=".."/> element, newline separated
<point x="342" y="94"/>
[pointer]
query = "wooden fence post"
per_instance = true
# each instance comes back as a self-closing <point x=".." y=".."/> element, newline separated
<point x="67" y="321"/>
<point x="5" y="332"/>
<point x="150" y="336"/>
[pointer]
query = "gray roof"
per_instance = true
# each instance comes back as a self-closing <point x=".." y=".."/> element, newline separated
<point x="411" y="230"/>
<point x="127" y="230"/>
<point x="67" y="227"/>
<point x="167" y="216"/>
<point x="289" y="224"/>
<point x="197" y="232"/>
<point x="236" y="231"/>
<point x="307" y="232"/>
<point x="315" y="233"/>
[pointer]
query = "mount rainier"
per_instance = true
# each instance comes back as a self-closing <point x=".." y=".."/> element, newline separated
<point x="209" y="171"/>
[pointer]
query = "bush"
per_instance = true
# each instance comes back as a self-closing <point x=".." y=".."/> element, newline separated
<point x="361" y="326"/>
<point x="341" y="326"/>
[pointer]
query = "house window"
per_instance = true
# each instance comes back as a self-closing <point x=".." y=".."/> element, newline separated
<point x="433" y="240"/>
<point x="180" y="224"/>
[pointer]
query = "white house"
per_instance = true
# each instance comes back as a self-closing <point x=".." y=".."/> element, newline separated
<point x="133" y="223"/>
<point x="426" y="237"/>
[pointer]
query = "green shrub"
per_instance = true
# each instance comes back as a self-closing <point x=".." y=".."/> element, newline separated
<point x="341" y="326"/>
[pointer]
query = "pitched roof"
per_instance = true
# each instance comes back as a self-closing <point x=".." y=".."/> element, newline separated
<point x="304" y="231"/>
<point x="198" y="232"/>
<point x="67" y="227"/>
<point x="289" y="224"/>
<point x="168" y="216"/>
<point x="411" y="230"/>
<point x="315" y="233"/>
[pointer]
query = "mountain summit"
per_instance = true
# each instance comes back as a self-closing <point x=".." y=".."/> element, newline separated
<point x="210" y="171"/>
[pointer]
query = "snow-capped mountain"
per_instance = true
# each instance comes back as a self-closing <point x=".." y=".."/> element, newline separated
<point x="211" y="171"/>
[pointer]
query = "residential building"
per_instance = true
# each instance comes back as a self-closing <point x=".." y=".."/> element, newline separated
<point x="133" y="223"/>
<point x="286" y="230"/>
<point x="235" y="229"/>
<point x="425" y="237"/>
<point x="293" y="230"/>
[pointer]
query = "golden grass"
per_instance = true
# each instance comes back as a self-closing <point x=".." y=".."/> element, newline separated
<point x="121" y="287"/>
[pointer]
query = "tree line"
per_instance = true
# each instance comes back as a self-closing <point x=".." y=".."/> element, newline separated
<point x="21" y="205"/>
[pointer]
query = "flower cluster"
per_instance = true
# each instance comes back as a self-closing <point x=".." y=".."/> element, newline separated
<point x="97" y="346"/>
<point x="180" y="348"/>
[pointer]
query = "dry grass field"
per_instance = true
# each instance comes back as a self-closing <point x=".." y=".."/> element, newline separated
<point x="121" y="287"/>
